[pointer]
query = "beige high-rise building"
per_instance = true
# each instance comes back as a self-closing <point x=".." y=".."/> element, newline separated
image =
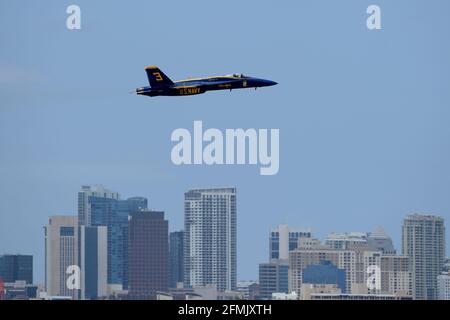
<point x="423" y="242"/>
<point x="366" y="271"/>
<point x="300" y="258"/>
<point x="61" y="251"/>
<point x="365" y="258"/>
<point x="396" y="275"/>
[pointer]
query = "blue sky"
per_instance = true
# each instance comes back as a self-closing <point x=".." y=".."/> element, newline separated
<point x="363" y="115"/>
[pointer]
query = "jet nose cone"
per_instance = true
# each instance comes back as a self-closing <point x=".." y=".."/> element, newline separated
<point x="266" y="83"/>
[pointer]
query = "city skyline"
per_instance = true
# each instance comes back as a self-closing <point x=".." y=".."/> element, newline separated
<point x="333" y="239"/>
<point x="302" y="230"/>
<point x="298" y="265"/>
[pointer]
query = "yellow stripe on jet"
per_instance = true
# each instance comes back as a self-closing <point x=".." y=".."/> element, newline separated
<point x="185" y="87"/>
<point x="151" y="67"/>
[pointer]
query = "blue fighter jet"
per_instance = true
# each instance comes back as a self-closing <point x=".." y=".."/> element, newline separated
<point x="161" y="85"/>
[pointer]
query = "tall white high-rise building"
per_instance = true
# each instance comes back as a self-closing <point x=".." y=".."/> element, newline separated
<point x="61" y="252"/>
<point x="210" y="238"/>
<point x="423" y="241"/>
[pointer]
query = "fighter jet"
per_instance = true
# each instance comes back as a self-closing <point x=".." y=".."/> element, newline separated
<point x="161" y="85"/>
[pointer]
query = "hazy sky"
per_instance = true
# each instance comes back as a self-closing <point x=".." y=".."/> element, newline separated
<point x="363" y="115"/>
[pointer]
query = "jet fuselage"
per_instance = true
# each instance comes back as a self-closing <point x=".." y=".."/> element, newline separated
<point x="161" y="85"/>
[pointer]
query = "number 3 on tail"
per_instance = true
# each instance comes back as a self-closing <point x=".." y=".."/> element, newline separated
<point x="158" y="76"/>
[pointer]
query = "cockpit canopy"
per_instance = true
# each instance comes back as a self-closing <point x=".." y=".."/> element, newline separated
<point x="237" y="75"/>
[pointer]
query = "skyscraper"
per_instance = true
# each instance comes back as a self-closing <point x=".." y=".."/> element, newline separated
<point x="210" y="238"/>
<point x="14" y="267"/>
<point x="61" y="252"/>
<point x="93" y="255"/>
<point x="84" y="201"/>
<point x="284" y="239"/>
<point x="176" y="253"/>
<point x="98" y="206"/>
<point x="148" y="254"/>
<point x="273" y="278"/>
<point x="423" y="241"/>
